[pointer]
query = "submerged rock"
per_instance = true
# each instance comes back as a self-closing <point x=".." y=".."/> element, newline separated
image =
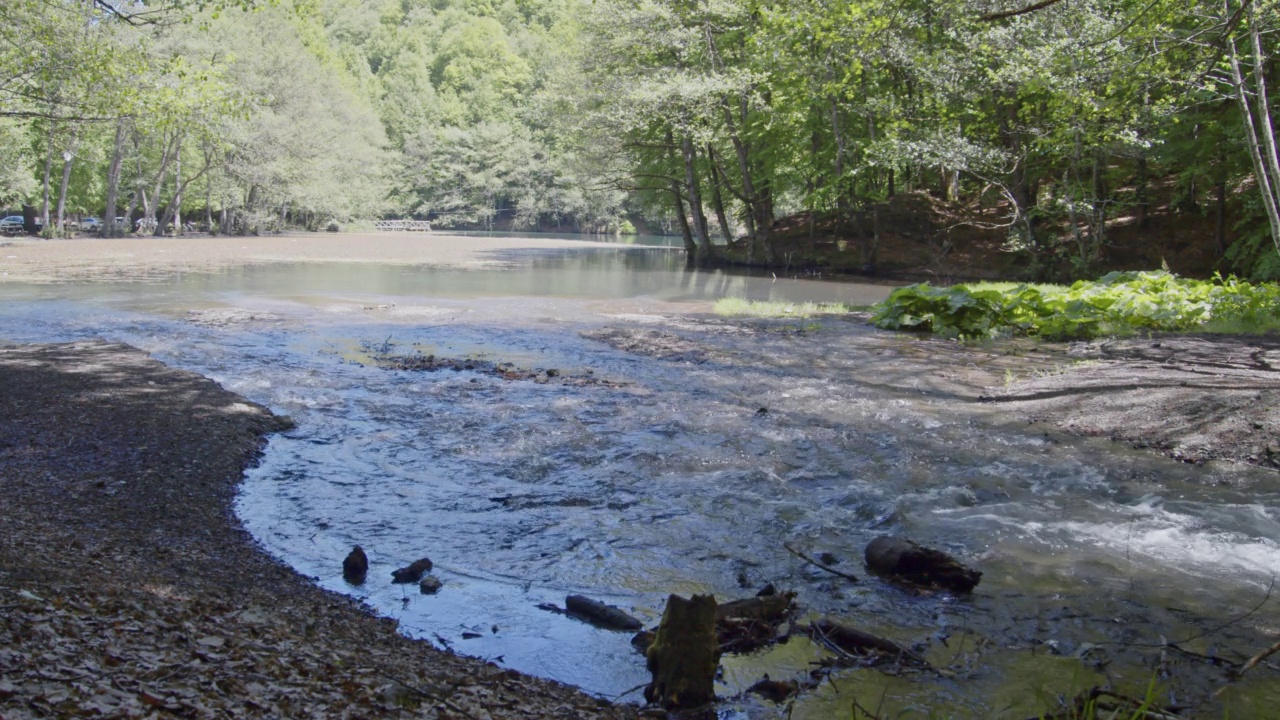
<point x="412" y="573"/>
<point x="356" y="566"/>
<point x="901" y="559"/>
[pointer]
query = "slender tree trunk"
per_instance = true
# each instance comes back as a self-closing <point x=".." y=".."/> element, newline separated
<point x="249" y="204"/>
<point x="717" y="200"/>
<point x="113" y="182"/>
<point x="705" y="252"/>
<point x="177" y="195"/>
<point x="173" y="213"/>
<point x="759" y="225"/>
<point x="1143" y="207"/>
<point x="1220" y="220"/>
<point x="68" y="159"/>
<point x="48" y="168"/>
<point x="677" y="198"/>
<point x="1262" y="175"/>
<point x="151" y="208"/>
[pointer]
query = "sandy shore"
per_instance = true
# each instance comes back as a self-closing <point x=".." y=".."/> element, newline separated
<point x="142" y="258"/>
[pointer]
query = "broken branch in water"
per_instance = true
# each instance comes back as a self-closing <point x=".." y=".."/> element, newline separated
<point x="819" y="565"/>
<point x="1253" y="661"/>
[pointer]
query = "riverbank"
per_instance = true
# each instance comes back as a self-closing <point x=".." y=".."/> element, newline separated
<point x="127" y="592"/>
<point x="129" y="588"/>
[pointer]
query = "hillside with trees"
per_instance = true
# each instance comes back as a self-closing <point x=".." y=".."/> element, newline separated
<point x="827" y="133"/>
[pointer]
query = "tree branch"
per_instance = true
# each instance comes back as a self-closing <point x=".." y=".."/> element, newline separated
<point x="1021" y="11"/>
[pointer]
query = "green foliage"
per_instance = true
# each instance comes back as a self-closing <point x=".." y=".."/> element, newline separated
<point x="1116" y="303"/>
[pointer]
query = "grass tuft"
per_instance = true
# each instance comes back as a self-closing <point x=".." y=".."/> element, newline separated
<point x="773" y="309"/>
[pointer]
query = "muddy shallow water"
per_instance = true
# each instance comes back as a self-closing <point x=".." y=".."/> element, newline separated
<point x="663" y="476"/>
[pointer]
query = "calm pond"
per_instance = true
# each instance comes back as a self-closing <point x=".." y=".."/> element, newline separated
<point x="645" y="468"/>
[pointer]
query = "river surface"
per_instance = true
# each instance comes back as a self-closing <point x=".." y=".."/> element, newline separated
<point x="677" y="453"/>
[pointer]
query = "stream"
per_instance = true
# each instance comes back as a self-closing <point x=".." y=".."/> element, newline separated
<point x="676" y="452"/>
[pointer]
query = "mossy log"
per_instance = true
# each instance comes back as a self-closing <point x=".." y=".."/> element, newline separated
<point x="685" y="654"/>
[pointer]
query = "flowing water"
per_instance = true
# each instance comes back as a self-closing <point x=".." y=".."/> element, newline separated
<point x="647" y="467"/>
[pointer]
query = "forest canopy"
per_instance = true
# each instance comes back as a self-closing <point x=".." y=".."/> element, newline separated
<point x="710" y="118"/>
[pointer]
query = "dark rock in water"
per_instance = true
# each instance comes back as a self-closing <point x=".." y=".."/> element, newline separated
<point x="413" y="573"/>
<point x="552" y="372"/>
<point x="430" y="585"/>
<point x="775" y="690"/>
<point x="901" y="559"/>
<point x="767" y="591"/>
<point x="599" y="614"/>
<point x="829" y="559"/>
<point x="356" y="566"/>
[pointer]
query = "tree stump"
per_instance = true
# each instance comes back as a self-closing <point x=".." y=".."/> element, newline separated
<point x="685" y="654"/>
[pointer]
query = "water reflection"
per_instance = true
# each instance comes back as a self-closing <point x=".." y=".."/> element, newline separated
<point x="591" y="273"/>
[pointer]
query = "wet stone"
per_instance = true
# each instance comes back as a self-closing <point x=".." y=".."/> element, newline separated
<point x="430" y="585"/>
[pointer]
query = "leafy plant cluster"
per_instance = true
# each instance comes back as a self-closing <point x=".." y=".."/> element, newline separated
<point x="1119" y="302"/>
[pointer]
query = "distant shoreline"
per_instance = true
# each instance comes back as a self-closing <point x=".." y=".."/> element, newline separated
<point x="141" y="259"/>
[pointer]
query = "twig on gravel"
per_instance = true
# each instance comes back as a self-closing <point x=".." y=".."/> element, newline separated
<point x="819" y="565"/>
<point x="429" y="695"/>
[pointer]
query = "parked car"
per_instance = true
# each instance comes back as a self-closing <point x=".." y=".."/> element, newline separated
<point x="91" y="224"/>
<point x="11" y="224"/>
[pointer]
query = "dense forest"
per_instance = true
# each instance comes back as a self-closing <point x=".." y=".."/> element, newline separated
<point x="1050" y="123"/>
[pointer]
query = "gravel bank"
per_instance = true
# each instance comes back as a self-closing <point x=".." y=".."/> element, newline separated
<point x="129" y="589"/>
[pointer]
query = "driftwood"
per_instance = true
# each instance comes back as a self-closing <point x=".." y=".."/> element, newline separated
<point x="355" y="567"/>
<point x="854" y="641"/>
<point x="857" y="647"/>
<point x="412" y="573"/>
<point x="685" y="654"/>
<point x="902" y="560"/>
<point x="599" y="614"/>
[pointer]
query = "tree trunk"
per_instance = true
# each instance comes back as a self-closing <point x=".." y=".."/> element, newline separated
<point x="48" y="168"/>
<point x="705" y="252"/>
<point x="1143" y="207"/>
<point x="68" y="159"/>
<point x="717" y="200"/>
<point x="842" y="203"/>
<point x="249" y="203"/>
<point x="177" y="195"/>
<point x="1220" y="220"/>
<point x="151" y="208"/>
<point x="1261" y="168"/>
<point x="759" y="225"/>
<point x="173" y="212"/>
<point x="113" y="182"/>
